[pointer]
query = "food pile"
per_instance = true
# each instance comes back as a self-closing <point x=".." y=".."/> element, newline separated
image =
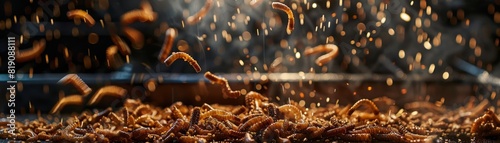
<point x="261" y="121"/>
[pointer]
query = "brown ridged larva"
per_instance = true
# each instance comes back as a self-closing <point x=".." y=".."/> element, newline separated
<point x="68" y="100"/>
<point x="83" y="15"/>
<point x="29" y="54"/>
<point x="226" y="89"/>
<point x="167" y="44"/>
<point x="288" y="11"/>
<point x="332" y="50"/>
<point x="110" y="90"/>
<point x="221" y="116"/>
<point x="200" y="14"/>
<point x="368" y="102"/>
<point x="186" y="57"/>
<point x="77" y="82"/>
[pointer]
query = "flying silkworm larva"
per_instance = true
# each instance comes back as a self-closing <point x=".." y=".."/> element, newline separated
<point x="145" y="14"/>
<point x="221" y="116"/>
<point x="368" y="102"/>
<point x="291" y="19"/>
<point x="291" y="112"/>
<point x="226" y="89"/>
<point x="68" y="100"/>
<point x="113" y="60"/>
<point x="167" y="44"/>
<point x="246" y="125"/>
<point x="332" y="50"/>
<point x="77" y="82"/>
<point x="122" y="46"/>
<point x="135" y="36"/>
<point x="29" y="54"/>
<point x="193" y="19"/>
<point x="186" y="57"/>
<point x="83" y="15"/>
<point x="111" y="90"/>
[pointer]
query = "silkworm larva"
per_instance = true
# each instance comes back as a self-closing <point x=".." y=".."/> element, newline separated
<point x="192" y="139"/>
<point x="97" y="117"/>
<point x="177" y="114"/>
<point x="333" y="51"/>
<point x="51" y="130"/>
<point x="29" y="54"/>
<point x="200" y="14"/>
<point x="251" y="96"/>
<point x="77" y="82"/>
<point x="207" y="107"/>
<point x="246" y="125"/>
<point x="176" y="127"/>
<point x="226" y="89"/>
<point x="494" y="117"/>
<point x="113" y="60"/>
<point x="291" y="19"/>
<point x="372" y="130"/>
<point x="140" y="134"/>
<point x="135" y="36"/>
<point x="272" y="131"/>
<point x="297" y="137"/>
<point x="110" y="90"/>
<point x="239" y="110"/>
<point x="122" y="46"/>
<point x="340" y="130"/>
<point x="221" y="116"/>
<point x="368" y="102"/>
<point x="291" y="112"/>
<point x="361" y="137"/>
<point x="195" y="116"/>
<point x="478" y="121"/>
<point x="140" y="15"/>
<point x="393" y="137"/>
<point x="228" y="131"/>
<point x="68" y="100"/>
<point x="141" y="110"/>
<point x="186" y="57"/>
<point x="248" y="117"/>
<point x="167" y="44"/>
<point x="83" y="15"/>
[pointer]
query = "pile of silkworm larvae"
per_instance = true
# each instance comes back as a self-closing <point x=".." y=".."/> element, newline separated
<point x="262" y="121"/>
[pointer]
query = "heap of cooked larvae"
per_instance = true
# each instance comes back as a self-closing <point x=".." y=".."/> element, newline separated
<point x="262" y="121"/>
